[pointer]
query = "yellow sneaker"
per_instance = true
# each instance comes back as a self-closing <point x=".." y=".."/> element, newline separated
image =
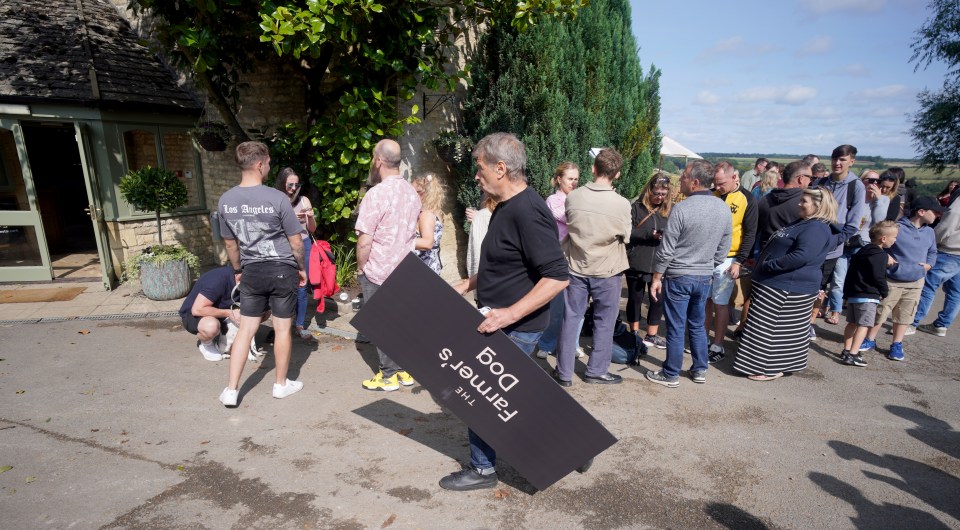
<point x="378" y="383"/>
<point x="405" y="378"/>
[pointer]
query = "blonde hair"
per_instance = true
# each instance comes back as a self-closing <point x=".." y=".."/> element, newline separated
<point x="661" y="181"/>
<point x="826" y="204"/>
<point x="769" y="180"/>
<point x="561" y="171"/>
<point x="883" y="228"/>
<point x="433" y="192"/>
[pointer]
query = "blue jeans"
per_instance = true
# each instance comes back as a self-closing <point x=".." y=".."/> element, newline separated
<point x="684" y="301"/>
<point x="482" y="456"/>
<point x="302" y="291"/>
<point x="835" y="298"/>
<point x="551" y="335"/>
<point x="606" y="307"/>
<point x="946" y="272"/>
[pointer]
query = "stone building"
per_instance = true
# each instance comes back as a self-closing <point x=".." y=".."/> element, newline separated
<point x="83" y="101"/>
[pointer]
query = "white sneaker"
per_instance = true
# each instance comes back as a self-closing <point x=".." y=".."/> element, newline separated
<point x="210" y="353"/>
<point x="229" y="397"/>
<point x="580" y="352"/>
<point x="910" y="330"/>
<point x="282" y="391"/>
<point x="542" y="354"/>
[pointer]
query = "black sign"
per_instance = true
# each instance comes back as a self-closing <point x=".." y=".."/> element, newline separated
<point x="492" y="386"/>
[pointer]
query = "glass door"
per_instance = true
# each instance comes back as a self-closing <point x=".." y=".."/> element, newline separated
<point x="23" y="249"/>
<point x="95" y="210"/>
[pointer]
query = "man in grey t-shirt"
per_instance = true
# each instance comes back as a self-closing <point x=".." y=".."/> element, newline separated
<point x="262" y="236"/>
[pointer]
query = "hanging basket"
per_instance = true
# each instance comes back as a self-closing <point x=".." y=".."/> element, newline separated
<point x="212" y="135"/>
<point x="454" y="153"/>
<point x="211" y="142"/>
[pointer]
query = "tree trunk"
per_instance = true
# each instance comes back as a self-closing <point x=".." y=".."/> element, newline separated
<point x="159" y="229"/>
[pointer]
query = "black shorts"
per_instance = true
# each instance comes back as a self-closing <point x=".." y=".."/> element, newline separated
<point x="191" y="322"/>
<point x="827" y="270"/>
<point x="269" y="285"/>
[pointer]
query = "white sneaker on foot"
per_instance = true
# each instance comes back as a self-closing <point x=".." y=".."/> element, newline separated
<point x="229" y="397"/>
<point x="210" y="352"/>
<point x="282" y="391"/>
<point x="580" y="352"/>
<point x="543" y="354"/>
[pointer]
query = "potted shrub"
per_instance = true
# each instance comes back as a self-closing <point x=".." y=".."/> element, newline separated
<point x="212" y="135"/>
<point x="453" y="148"/>
<point x="164" y="270"/>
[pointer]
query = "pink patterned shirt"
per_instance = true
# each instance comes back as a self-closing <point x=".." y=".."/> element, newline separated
<point x="388" y="213"/>
<point x="557" y="205"/>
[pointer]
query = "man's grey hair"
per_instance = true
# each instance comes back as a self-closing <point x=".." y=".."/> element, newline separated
<point x="506" y="148"/>
<point x="701" y="171"/>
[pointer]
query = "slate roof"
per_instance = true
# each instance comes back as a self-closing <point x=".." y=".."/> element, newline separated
<point x="48" y="46"/>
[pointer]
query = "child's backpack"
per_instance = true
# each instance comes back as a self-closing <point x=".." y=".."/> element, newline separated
<point x="323" y="272"/>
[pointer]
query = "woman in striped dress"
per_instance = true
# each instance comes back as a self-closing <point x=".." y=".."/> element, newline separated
<point x="785" y="284"/>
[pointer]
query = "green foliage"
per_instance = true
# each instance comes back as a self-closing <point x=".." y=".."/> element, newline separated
<point x="564" y="87"/>
<point x="359" y="59"/>
<point x="154" y="189"/>
<point x="936" y="127"/>
<point x="159" y="254"/>
<point x="345" y="258"/>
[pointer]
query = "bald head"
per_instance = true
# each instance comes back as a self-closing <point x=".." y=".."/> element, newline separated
<point x="388" y="151"/>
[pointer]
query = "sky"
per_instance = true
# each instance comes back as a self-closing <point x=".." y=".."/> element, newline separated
<point x="791" y="76"/>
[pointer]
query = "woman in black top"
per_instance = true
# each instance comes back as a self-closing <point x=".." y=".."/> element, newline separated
<point x="890" y="187"/>
<point x="649" y="217"/>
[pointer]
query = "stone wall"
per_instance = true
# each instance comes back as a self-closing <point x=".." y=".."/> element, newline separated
<point x="128" y="238"/>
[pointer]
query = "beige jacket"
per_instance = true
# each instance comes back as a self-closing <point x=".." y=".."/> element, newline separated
<point x="598" y="219"/>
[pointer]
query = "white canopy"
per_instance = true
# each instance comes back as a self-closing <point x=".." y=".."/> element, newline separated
<point x="671" y="147"/>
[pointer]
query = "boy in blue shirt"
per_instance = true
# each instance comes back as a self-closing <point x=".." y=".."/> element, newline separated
<point x="865" y="285"/>
<point x="915" y="253"/>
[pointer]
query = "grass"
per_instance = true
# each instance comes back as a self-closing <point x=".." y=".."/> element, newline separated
<point x="345" y="258"/>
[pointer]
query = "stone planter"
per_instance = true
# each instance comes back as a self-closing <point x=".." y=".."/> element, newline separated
<point x="167" y="281"/>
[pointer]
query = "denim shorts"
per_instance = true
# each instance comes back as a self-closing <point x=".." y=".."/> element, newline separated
<point x="722" y="283"/>
<point x="269" y="285"/>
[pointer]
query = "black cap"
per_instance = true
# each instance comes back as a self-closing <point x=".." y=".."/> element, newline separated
<point x="926" y="203"/>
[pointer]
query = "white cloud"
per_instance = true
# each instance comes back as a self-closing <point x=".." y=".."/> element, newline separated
<point x="883" y="92"/>
<point x="786" y="95"/>
<point x="887" y="112"/>
<point x="823" y="7"/>
<point x="852" y="70"/>
<point x="736" y="45"/>
<point x="816" y="45"/>
<point x="706" y="98"/>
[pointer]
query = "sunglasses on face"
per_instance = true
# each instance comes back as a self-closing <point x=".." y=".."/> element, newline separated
<point x="293" y="185"/>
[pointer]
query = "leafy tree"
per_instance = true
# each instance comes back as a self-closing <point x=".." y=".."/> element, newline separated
<point x="154" y="189"/>
<point x="564" y="87"/>
<point x="358" y="59"/>
<point x="936" y="127"/>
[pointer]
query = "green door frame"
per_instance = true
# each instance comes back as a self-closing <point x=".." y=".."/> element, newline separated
<point x="25" y="218"/>
<point x="95" y="208"/>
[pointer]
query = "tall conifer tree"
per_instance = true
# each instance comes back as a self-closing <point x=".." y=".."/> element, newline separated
<point x="563" y="88"/>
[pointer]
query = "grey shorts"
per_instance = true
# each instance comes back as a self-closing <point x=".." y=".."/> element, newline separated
<point x="863" y="314"/>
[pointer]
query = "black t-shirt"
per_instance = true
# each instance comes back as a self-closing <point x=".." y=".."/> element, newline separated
<point x="520" y="248"/>
<point x="216" y="285"/>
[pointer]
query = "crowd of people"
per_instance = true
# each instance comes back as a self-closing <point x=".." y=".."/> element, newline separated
<point x="778" y="246"/>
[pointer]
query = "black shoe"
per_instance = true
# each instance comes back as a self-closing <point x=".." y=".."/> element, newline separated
<point x="585" y="467"/>
<point x="561" y="382"/>
<point x="605" y="379"/>
<point x="271" y="336"/>
<point x="468" y="479"/>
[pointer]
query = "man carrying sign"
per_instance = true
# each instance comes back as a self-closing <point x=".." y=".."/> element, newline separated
<point x="521" y="270"/>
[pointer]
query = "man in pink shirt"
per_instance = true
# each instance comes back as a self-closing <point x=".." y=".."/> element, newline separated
<point x="386" y="228"/>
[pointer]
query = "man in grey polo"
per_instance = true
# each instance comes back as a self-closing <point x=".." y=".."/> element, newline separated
<point x="696" y="240"/>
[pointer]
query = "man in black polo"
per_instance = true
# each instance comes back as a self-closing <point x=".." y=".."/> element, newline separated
<point x="521" y="269"/>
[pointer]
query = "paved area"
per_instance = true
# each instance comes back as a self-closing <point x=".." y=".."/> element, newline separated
<point x="114" y="423"/>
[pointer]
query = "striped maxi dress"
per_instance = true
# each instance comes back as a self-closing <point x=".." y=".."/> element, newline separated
<point x="776" y="336"/>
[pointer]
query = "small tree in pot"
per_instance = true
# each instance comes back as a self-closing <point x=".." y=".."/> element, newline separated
<point x="164" y="270"/>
